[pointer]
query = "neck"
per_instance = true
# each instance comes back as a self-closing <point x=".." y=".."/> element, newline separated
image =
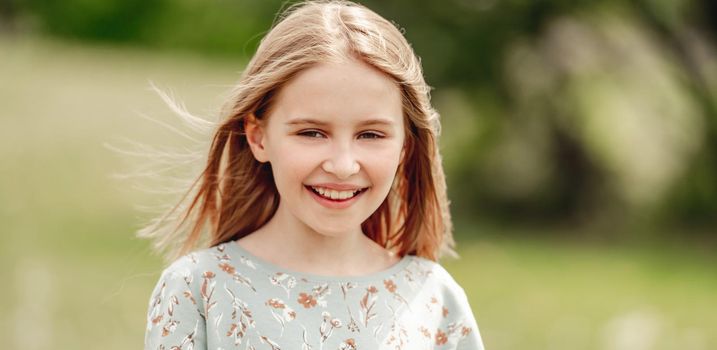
<point x="302" y="249"/>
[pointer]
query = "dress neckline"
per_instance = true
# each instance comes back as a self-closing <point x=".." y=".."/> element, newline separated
<point x="274" y="269"/>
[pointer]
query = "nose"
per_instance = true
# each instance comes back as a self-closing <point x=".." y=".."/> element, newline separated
<point x="342" y="162"/>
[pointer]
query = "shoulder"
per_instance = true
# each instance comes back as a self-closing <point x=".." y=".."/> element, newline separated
<point x="437" y="277"/>
<point x="447" y="301"/>
<point x="193" y="265"/>
<point x="191" y="275"/>
<point x="199" y="268"/>
<point x="441" y="290"/>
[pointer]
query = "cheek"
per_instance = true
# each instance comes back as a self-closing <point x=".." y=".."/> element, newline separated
<point x="293" y="164"/>
<point x="382" y="164"/>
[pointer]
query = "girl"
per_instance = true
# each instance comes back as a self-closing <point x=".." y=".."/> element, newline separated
<point x="326" y="200"/>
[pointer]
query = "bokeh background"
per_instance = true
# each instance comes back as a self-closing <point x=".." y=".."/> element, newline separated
<point x="579" y="137"/>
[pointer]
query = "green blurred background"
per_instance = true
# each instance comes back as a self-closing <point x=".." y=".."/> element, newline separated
<point x="580" y="144"/>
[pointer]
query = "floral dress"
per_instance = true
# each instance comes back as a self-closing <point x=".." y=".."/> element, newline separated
<point x="225" y="298"/>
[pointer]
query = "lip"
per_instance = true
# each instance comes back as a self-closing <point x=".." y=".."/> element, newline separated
<point x="334" y="204"/>
<point x="339" y="187"/>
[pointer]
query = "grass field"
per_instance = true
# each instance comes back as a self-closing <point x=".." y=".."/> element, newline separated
<point x="75" y="277"/>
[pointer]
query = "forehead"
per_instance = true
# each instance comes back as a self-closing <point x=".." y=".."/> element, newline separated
<point x="349" y="92"/>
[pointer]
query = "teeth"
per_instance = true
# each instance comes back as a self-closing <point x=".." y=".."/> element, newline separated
<point x="333" y="194"/>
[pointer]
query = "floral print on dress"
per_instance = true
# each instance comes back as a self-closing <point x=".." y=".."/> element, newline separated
<point x="317" y="296"/>
<point x="225" y="265"/>
<point x="320" y="292"/>
<point x="283" y="280"/>
<point x="223" y="298"/>
<point x="368" y="302"/>
<point x="208" y="290"/>
<point x="352" y="325"/>
<point x="241" y="318"/>
<point x="280" y="312"/>
<point x="306" y="300"/>
<point x="391" y="287"/>
<point x="398" y="335"/>
<point x="328" y="325"/>
<point x="346" y="287"/>
<point x="348" y="344"/>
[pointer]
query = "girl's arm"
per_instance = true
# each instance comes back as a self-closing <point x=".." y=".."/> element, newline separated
<point x="173" y="317"/>
<point x="461" y="321"/>
<point x="472" y="339"/>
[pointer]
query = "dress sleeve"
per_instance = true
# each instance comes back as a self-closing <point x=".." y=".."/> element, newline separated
<point x="174" y="319"/>
<point x="470" y="335"/>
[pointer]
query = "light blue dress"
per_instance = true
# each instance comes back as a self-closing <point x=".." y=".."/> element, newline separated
<point x="225" y="298"/>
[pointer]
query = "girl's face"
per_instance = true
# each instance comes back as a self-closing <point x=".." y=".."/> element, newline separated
<point x="334" y="139"/>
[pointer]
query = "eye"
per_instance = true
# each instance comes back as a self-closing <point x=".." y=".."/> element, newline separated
<point x="371" y="135"/>
<point x="311" y="134"/>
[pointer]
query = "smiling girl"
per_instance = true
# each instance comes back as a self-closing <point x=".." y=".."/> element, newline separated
<point x="326" y="203"/>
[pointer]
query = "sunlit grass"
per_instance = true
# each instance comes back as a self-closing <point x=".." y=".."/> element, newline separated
<point x="548" y="294"/>
<point x="76" y="278"/>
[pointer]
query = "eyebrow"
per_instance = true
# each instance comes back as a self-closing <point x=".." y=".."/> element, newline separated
<point x="375" y="121"/>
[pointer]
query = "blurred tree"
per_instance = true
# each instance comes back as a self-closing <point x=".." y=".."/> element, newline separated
<point x="8" y="13"/>
<point x="107" y="20"/>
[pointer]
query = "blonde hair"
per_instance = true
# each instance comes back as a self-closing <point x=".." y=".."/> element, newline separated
<point x="236" y="193"/>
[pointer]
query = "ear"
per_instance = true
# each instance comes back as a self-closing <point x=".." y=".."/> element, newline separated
<point x="256" y="137"/>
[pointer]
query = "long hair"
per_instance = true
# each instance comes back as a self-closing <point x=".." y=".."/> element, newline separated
<point x="235" y="194"/>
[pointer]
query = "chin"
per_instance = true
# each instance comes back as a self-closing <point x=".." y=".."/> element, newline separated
<point x="336" y="231"/>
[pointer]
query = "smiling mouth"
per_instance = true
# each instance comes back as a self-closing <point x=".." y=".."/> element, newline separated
<point x="335" y="195"/>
